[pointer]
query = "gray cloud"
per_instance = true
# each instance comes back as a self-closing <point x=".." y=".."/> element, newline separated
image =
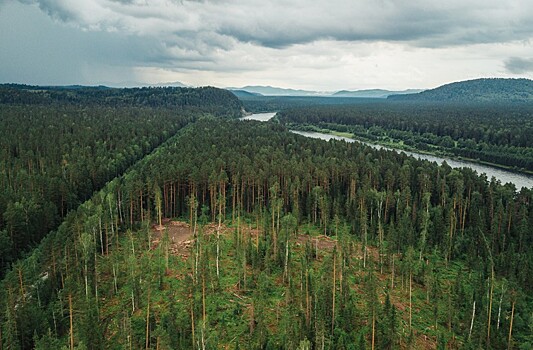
<point x="518" y="65"/>
<point x="36" y="49"/>
<point x="86" y="41"/>
<point x="278" y="24"/>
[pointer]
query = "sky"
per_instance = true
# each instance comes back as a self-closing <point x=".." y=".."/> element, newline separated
<point x="324" y="45"/>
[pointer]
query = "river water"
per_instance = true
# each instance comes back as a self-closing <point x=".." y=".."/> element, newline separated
<point x="262" y="117"/>
<point x="519" y="180"/>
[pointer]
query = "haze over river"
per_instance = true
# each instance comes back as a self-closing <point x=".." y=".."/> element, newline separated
<point x="519" y="180"/>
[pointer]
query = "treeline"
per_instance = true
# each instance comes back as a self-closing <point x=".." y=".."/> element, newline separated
<point x="425" y="222"/>
<point x="54" y="155"/>
<point x="259" y="104"/>
<point x="203" y="100"/>
<point x="495" y="133"/>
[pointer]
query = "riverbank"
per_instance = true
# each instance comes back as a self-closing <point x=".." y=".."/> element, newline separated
<point x="401" y="146"/>
<point x="504" y="175"/>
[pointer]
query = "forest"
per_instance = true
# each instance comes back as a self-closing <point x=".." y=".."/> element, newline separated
<point x="495" y="133"/>
<point x="57" y="150"/>
<point x="226" y="234"/>
<point x="260" y="104"/>
<point x="484" y="90"/>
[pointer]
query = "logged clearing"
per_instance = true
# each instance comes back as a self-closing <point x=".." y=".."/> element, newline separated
<point x="180" y="236"/>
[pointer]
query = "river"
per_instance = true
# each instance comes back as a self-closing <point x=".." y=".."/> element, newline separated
<point x="519" y="180"/>
<point x="262" y="117"/>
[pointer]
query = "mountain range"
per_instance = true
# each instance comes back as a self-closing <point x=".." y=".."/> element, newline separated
<point x="480" y="90"/>
<point x="374" y="93"/>
<point x="259" y="90"/>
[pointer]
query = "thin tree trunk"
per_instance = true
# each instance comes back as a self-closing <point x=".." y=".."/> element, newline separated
<point x="141" y="205"/>
<point x="410" y="299"/>
<point x="472" y="322"/>
<point x="511" y="327"/>
<point x="373" y="327"/>
<point x="307" y="304"/>
<point x="101" y="238"/>
<point x="71" y="323"/>
<point x="203" y="296"/>
<point x="490" y="306"/>
<point x="131" y="212"/>
<point x="286" y="270"/>
<point x="274" y="229"/>
<point x="115" y="278"/>
<point x="22" y="293"/>
<point x="500" y="309"/>
<point x="333" y="299"/>
<point x="392" y="274"/>
<point x="86" y="278"/>
<point x="111" y="217"/>
<point x="218" y="236"/>
<point x="192" y="323"/>
<point x="147" y="340"/>
<point x="120" y="216"/>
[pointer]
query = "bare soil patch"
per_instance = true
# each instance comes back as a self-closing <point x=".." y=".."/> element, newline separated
<point x="321" y="242"/>
<point x="180" y="236"/>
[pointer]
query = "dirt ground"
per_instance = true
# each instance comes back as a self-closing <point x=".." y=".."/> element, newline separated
<point x="321" y="242"/>
<point x="179" y="235"/>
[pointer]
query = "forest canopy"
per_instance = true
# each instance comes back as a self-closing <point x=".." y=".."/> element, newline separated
<point x="184" y="228"/>
<point x="497" y="133"/>
<point x="453" y="237"/>
<point x="59" y="145"/>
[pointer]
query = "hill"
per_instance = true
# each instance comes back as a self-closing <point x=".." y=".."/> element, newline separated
<point x="373" y="93"/>
<point x="245" y="94"/>
<point x="208" y="99"/>
<point x="478" y="90"/>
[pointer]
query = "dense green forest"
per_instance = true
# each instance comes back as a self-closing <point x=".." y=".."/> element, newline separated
<point x="59" y="145"/>
<point x="288" y="243"/>
<point x="258" y="104"/>
<point x="478" y="90"/>
<point x="204" y="99"/>
<point x="497" y="133"/>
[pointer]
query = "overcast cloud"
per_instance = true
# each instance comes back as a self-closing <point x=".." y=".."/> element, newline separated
<point x="321" y="45"/>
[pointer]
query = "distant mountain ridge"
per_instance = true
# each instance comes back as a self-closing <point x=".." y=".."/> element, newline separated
<point x="244" y="93"/>
<point x="477" y="90"/>
<point x="276" y="91"/>
<point x="374" y="93"/>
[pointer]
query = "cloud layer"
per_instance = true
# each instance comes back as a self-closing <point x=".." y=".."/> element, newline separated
<point x="214" y="38"/>
<point x="280" y="23"/>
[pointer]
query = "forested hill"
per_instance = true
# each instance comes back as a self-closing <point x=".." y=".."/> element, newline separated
<point x="478" y="90"/>
<point x="208" y="99"/>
